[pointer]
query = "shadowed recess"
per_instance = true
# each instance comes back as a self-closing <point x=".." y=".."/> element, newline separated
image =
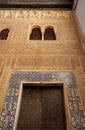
<point x="4" y="34"/>
<point x="49" y="34"/>
<point x="36" y="34"/>
<point x="36" y="4"/>
<point x="42" y="108"/>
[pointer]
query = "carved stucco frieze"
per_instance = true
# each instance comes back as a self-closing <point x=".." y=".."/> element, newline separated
<point x="61" y="15"/>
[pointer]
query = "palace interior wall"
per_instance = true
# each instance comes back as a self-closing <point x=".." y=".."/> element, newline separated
<point x="18" y="53"/>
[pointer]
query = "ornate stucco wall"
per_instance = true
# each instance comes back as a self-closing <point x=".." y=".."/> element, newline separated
<point x="20" y="54"/>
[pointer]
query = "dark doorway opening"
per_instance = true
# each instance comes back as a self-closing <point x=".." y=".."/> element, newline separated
<point x="42" y="108"/>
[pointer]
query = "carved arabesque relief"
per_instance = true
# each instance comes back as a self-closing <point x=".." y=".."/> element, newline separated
<point x="35" y="14"/>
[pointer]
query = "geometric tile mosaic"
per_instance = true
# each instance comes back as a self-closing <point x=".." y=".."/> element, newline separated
<point x="75" y="107"/>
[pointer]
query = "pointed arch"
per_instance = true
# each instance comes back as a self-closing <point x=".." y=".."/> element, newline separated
<point x="4" y="34"/>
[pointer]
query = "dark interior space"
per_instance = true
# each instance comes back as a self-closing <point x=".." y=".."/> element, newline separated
<point x="4" y="34"/>
<point x="49" y="34"/>
<point x="42" y="108"/>
<point x="36" y="34"/>
<point x="61" y="4"/>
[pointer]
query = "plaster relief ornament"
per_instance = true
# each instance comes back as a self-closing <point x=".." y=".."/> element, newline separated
<point x="25" y="14"/>
<point x="6" y="14"/>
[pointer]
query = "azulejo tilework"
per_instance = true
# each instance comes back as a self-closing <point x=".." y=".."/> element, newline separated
<point x="75" y="105"/>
